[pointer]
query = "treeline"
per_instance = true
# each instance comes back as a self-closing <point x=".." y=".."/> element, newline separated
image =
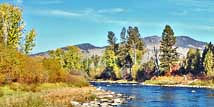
<point x="197" y="62"/>
<point x="15" y="63"/>
<point x="123" y="59"/>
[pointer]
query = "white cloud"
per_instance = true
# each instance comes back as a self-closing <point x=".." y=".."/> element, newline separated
<point x="64" y="13"/>
<point x="112" y="10"/>
<point x="122" y="22"/>
<point x="90" y="14"/>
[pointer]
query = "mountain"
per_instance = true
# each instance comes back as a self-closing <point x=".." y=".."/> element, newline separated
<point x="85" y="48"/>
<point x="88" y="46"/>
<point x="182" y="42"/>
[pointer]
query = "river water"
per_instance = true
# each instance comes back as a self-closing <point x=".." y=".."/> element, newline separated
<point x="156" y="96"/>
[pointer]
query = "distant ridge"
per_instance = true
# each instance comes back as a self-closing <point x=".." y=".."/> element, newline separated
<point x="182" y="42"/>
<point x="85" y="48"/>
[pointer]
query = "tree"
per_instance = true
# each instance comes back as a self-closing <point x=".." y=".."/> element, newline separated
<point x="123" y="50"/>
<point x="11" y="25"/>
<point x="193" y="61"/>
<point x="112" y="40"/>
<point x="58" y="55"/>
<point x="208" y="47"/>
<point x="86" y="65"/>
<point x="209" y="64"/>
<point x="72" y="58"/>
<point x="29" y="41"/>
<point x="123" y="37"/>
<point x="95" y="59"/>
<point x="69" y="59"/>
<point x="134" y="43"/>
<point x="110" y="61"/>
<point x="109" y="58"/>
<point x="130" y="52"/>
<point x="168" y="54"/>
<point x="156" y="62"/>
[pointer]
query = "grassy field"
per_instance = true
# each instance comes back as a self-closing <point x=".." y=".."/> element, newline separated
<point x="44" y="95"/>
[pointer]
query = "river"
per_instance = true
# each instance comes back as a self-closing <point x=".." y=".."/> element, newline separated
<point x="156" y="96"/>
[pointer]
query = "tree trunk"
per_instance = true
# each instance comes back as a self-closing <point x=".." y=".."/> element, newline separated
<point x="5" y="33"/>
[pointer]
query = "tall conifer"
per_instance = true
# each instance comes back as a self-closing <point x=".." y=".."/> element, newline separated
<point x="168" y="54"/>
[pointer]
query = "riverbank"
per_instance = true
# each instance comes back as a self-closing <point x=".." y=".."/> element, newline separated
<point x="179" y="85"/>
<point x="43" y="95"/>
<point x="104" y="98"/>
<point x="180" y="81"/>
<point x="176" y="81"/>
<point x="117" y="81"/>
<point x="58" y="94"/>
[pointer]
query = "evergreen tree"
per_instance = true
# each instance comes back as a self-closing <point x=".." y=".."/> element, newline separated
<point x="208" y="47"/>
<point x="135" y="43"/>
<point x="168" y="54"/>
<point x="112" y="40"/>
<point x="123" y="50"/>
<point x="29" y="41"/>
<point x="209" y="64"/>
<point x="193" y="61"/>
<point x="123" y="37"/>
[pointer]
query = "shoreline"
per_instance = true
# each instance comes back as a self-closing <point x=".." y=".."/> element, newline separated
<point x="179" y="85"/>
<point x="143" y="84"/>
<point x="104" y="98"/>
<point x="118" y="81"/>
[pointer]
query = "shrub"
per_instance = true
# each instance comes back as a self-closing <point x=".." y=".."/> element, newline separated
<point x="2" y="78"/>
<point x="10" y="63"/>
<point x="77" y="81"/>
<point x="96" y="72"/>
<point x="32" y="72"/>
<point x="17" y="67"/>
<point x="1" y="93"/>
<point x="135" y="69"/>
<point x="55" y="72"/>
<point x="24" y="87"/>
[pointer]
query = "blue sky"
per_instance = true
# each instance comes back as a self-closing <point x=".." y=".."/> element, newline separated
<point x="68" y="22"/>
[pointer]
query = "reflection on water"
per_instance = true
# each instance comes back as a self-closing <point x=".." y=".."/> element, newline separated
<point x="155" y="96"/>
<point x="167" y="96"/>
